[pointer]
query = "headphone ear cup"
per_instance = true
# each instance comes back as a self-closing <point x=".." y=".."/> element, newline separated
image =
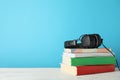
<point x="90" y="41"/>
<point x="85" y="41"/>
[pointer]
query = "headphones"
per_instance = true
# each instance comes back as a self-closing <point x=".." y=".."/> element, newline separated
<point x="87" y="41"/>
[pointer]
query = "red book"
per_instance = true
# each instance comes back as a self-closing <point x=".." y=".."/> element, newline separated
<point x="82" y="70"/>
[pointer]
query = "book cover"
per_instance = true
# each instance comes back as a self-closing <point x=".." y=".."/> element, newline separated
<point x="80" y="50"/>
<point x="82" y="70"/>
<point x="80" y="61"/>
<point x="86" y="54"/>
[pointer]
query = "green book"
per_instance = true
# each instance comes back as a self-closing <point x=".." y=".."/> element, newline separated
<point x="80" y="61"/>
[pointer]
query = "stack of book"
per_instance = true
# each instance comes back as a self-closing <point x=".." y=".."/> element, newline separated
<point x="87" y="61"/>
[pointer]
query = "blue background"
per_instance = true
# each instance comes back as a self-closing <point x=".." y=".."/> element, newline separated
<point x="32" y="32"/>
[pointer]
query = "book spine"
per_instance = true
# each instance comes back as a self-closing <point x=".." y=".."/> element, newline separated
<point x="88" y="60"/>
<point x="81" y="70"/>
<point x="99" y="50"/>
<point x="92" y="60"/>
<point x="72" y="55"/>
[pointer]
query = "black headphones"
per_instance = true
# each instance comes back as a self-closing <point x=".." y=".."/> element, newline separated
<point x="87" y="41"/>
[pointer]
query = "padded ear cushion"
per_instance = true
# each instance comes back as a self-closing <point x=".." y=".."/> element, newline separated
<point x="98" y="40"/>
<point x="92" y="41"/>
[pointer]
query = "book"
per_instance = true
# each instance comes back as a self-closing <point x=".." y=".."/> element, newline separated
<point x="82" y="70"/>
<point x="80" y="50"/>
<point x="80" y="61"/>
<point x="86" y="54"/>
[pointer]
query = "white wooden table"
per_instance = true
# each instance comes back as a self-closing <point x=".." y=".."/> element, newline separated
<point x="51" y="74"/>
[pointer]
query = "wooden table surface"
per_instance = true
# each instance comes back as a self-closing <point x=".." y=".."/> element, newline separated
<point x="51" y="74"/>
